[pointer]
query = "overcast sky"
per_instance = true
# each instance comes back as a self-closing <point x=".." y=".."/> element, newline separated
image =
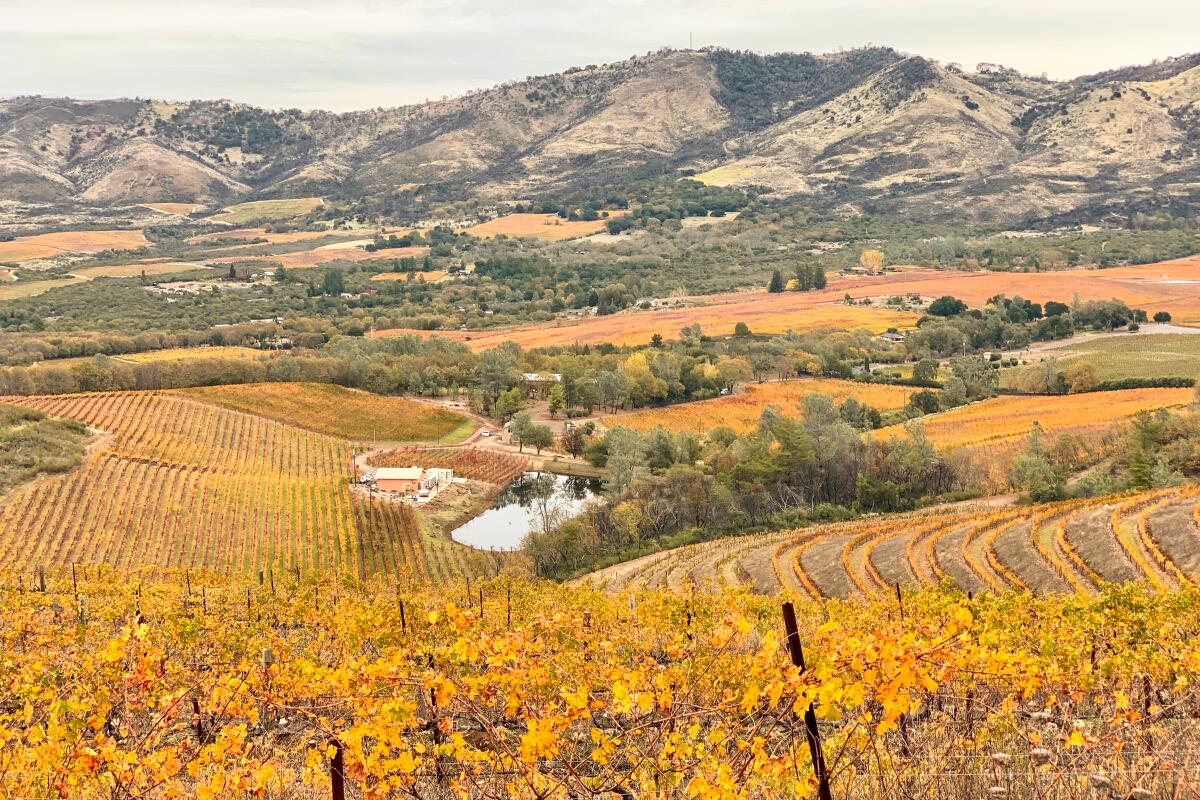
<point x="348" y="55"/>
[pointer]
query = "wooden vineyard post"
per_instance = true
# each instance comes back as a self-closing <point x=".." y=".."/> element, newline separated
<point x="900" y="599"/>
<point x="508" y="606"/>
<point x="74" y="582"/>
<point x="41" y="577"/>
<point x="403" y="621"/>
<point x="480" y="603"/>
<point x="796" y="651"/>
<point x="337" y="773"/>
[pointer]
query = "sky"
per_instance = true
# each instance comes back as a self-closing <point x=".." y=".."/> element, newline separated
<point x="368" y="53"/>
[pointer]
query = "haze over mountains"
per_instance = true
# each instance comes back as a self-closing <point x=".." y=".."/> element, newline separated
<point x="869" y="129"/>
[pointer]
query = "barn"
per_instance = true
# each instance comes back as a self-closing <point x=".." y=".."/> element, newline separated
<point x="403" y="480"/>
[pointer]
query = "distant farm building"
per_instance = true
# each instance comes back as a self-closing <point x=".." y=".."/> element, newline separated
<point x="537" y="384"/>
<point x="402" y="480"/>
<point x="414" y="481"/>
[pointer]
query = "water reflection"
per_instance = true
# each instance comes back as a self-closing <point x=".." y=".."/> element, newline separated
<point x="533" y="502"/>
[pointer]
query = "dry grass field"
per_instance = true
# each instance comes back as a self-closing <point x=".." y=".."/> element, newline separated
<point x="741" y="411"/>
<point x="1163" y="286"/>
<point x="1073" y="546"/>
<point x="257" y="233"/>
<point x="323" y="255"/>
<point x="547" y="227"/>
<point x="337" y="411"/>
<point x="178" y="209"/>
<point x="49" y="245"/>
<point x="136" y="269"/>
<point x="1010" y="417"/>
<point x="260" y="210"/>
<point x="428" y="277"/>
<point x="20" y="289"/>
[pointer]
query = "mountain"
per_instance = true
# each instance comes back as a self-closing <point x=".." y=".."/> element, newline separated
<point x="864" y="130"/>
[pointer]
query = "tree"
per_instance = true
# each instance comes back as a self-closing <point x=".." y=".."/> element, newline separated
<point x="872" y="260"/>
<point x="282" y="275"/>
<point x="776" y="284"/>
<point x="924" y="401"/>
<point x="574" y="442"/>
<point x="947" y="306"/>
<point x="804" y="277"/>
<point x="741" y="329"/>
<point x="1033" y="473"/>
<point x="232" y="272"/>
<point x="558" y="399"/>
<point x="538" y="436"/>
<point x="332" y="284"/>
<point x="520" y="428"/>
<point x="508" y="403"/>
<point x="656" y="341"/>
<point x="1162" y="316"/>
<point x="925" y="371"/>
<point x="818" y="277"/>
<point x="1053" y="308"/>
<point x="1080" y="376"/>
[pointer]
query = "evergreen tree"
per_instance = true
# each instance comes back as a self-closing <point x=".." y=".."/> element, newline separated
<point x="776" y="284"/>
<point x="804" y="277"/>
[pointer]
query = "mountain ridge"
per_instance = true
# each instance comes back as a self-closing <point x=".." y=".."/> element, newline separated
<point x="871" y="129"/>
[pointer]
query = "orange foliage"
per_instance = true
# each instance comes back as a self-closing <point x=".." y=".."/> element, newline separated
<point x="741" y="412"/>
<point x="1010" y="417"/>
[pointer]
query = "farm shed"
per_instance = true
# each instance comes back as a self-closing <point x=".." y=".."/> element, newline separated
<point x="404" y="480"/>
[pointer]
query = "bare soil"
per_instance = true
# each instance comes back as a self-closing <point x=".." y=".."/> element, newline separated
<point x="1016" y="550"/>
<point x="1092" y="537"/>
<point x="1174" y="529"/>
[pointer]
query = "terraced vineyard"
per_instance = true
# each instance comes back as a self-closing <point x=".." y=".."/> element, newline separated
<point x="1072" y="546"/>
<point x="177" y="482"/>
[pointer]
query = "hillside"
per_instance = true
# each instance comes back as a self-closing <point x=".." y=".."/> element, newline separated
<point x="1076" y="546"/>
<point x="869" y="129"/>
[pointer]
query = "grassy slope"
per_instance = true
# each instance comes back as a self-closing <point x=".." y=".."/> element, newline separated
<point x="337" y="411"/>
<point x="32" y="444"/>
<point x="1167" y="355"/>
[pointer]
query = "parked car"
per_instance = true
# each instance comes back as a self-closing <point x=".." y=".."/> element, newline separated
<point x="485" y="433"/>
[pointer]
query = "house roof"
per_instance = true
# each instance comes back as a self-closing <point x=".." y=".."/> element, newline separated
<point x="399" y="473"/>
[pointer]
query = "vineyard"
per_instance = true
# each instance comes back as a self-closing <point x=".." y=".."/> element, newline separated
<point x="1165" y="286"/>
<point x="49" y="245"/>
<point x="258" y="210"/>
<point x="489" y="466"/>
<point x="338" y="411"/>
<point x="637" y="327"/>
<point x="742" y="411"/>
<point x="1010" y="417"/>
<point x="184" y="685"/>
<point x="208" y="351"/>
<point x="1076" y="546"/>
<point x="174" y="482"/>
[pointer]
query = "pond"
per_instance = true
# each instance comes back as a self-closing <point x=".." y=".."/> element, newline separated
<point x="530" y="503"/>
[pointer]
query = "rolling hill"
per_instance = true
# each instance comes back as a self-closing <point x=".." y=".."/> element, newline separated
<point x="863" y="130"/>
